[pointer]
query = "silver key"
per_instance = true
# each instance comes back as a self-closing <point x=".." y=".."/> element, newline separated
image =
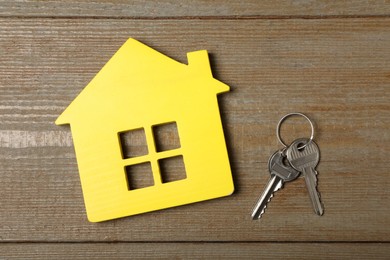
<point x="305" y="160"/>
<point x="280" y="173"/>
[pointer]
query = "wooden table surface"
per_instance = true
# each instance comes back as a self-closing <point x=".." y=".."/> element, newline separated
<point x="328" y="59"/>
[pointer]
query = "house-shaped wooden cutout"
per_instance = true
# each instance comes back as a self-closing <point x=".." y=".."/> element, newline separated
<point x="140" y="90"/>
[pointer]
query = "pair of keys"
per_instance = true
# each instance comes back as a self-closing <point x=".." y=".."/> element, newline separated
<point x="301" y="157"/>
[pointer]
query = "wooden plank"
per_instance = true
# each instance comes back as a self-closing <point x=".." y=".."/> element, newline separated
<point x="196" y="251"/>
<point x="45" y="204"/>
<point x="335" y="70"/>
<point x="188" y="8"/>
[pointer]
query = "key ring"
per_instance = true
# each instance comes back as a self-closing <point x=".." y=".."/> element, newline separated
<point x="294" y="114"/>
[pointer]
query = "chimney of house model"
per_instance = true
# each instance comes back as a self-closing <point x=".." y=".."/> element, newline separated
<point x="200" y="61"/>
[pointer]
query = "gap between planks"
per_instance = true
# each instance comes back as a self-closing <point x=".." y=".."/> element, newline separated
<point x="188" y="242"/>
<point x="228" y="17"/>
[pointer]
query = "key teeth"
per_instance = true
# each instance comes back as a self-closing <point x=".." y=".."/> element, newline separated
<point x="280" y="185"/>
<point x="318" y="205"/>
<point x="266" y="204"/>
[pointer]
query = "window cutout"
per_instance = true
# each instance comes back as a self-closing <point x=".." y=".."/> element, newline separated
<point x="166" y="137"/>
<point x="139" y="176"/>
<point x="133" y="143"/>
<point x="172" y="169"/>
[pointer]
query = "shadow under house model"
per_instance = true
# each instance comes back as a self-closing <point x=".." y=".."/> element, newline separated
<point x="138" y="91"/>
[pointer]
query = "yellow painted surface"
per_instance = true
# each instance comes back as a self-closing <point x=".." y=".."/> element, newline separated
<point x="140" y="88"/>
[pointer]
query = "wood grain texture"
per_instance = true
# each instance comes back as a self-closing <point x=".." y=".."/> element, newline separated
<point x="188" y="8"/>
<point x="337" y="71"/>
<point x="195" y="251"/>
<point x="334" y="66"/>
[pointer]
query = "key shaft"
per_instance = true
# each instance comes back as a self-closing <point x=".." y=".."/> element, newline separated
<point x="280" y="173"/>
<point x="310" y="176"/>
<point x="305" y="160"/>
<point x="274" y="184"/>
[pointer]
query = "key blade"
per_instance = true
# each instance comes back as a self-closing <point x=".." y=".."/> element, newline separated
<point x="310" y="176"/>
<point x="273" y="185"/>
<point x="305" y="159"/>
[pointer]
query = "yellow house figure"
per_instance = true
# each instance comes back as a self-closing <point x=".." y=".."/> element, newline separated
<point x="136" y="95"/>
